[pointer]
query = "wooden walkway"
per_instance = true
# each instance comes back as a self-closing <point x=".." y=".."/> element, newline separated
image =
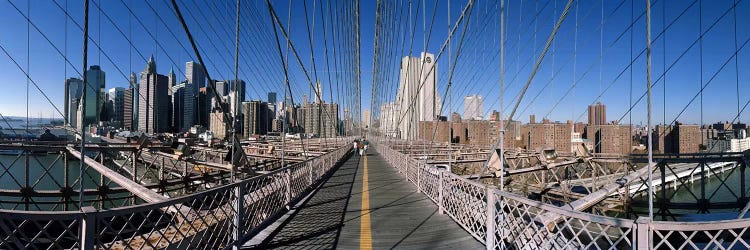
<point x="388" y="213"/>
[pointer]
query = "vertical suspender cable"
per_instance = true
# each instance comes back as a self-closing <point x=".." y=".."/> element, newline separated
<point x="736" y="58"/>
<point x="700" y="57"/>
<point x="648" y="90"/>
<point x="236" y="98"/>
<point x="502" y="93"/>
<point x="83" y="96"/>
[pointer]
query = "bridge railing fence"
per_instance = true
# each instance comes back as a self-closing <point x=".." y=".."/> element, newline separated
<point x="503" y="220"/>
<point x="219" y="218"/>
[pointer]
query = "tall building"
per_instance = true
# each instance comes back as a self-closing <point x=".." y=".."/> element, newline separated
<point x="73" y="88"/>
<point x="473" y="107"/>
<point x="366" y="118"/>
<point x="217" y="125"/>
<point x="134" y="86"/>
<point x="320" y="119"/>
<point x="188" y="102"/>
<point x="153" y="100"/>
<point x="547" y="135"/>
<point x="318" y="92"/>
<point x="236" y="96"/>
<point x="172" y="79"/>
<point x="677" y="139"/>
<point x="388" y="114"/>
<point x="195" y="74"/>
<point x="127" y="110"/>
<point x="610" y="138"/>
<point x="116" y="106"/>
<point x="223" y="87"/>
<point x="597" y="114"/>
<point x="271" y="97"/>
<point x="256" y="119"/>
<point x="94" y="98"/>
<point x="272" y="101"/>
<point x="204" y="108"/>
<point x="417" y="96"/>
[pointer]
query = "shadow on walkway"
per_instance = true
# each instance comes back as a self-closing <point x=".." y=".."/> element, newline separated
<point x="318" y="221"/>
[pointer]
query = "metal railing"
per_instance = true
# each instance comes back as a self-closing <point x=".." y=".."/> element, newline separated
<point x="219" y="218"/>
<point x="503" y="220"/>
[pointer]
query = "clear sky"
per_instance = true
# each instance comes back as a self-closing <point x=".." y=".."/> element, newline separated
<point x="130" y="31"/>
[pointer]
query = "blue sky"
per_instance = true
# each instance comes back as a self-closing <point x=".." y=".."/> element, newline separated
<point x="155" y="30"/>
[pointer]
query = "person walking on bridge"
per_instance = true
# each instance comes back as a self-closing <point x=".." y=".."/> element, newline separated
<point x="366" y="144"/>
<point x="361" y="147"/>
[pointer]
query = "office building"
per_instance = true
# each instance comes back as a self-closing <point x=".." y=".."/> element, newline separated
<point x="320" y="119"/>
<point x="73" y="89"/>
<point x="473" y="107"/>
<point x="92" y="105"/>
<point x="153" y="100"/>
<point x="271" y="97"/>
<point x="417" y="96"/>
<point x="116" y="106"/>
<point x="597" y="114"/>
<point x="256" y="119"/>
<point x="610" y="138"/>
<point x="127" y="110"/>
<point x="217" y="125"/>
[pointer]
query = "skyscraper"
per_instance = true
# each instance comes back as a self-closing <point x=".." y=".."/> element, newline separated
<point x="271" y="97"/>
<point x="417" y="96"/>
<point x="256" y="118"/>
<point x="73" y="88"/>
<point x="318" y="93"/>
<point x="195" y="74"/>
<point x="94" y="98"/>
<point x="597" y="114"/>
<point x="134" y="100"/>
<point x="179" y="113"/>
<point x="473" y="107"/>
<point x="116" y="106"/>
<point x="153" y="100"/>
<point x="172" y="79"/>
<point x="127" y="111"/>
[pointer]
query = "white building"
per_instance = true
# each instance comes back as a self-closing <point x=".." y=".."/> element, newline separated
<point x="388" y="115"/>
<point x="417" y="98"/>
<point x="739" y="145"/>
<point x="473" y="107"/>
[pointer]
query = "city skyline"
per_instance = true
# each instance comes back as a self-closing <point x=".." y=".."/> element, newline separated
<point x="259" y="85"/>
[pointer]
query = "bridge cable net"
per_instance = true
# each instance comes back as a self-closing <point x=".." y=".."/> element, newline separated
<point x="604" y="177"/>
<point x="195" y="150"/>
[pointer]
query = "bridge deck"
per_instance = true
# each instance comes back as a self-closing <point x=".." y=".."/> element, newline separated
<point x="397" y="216"/>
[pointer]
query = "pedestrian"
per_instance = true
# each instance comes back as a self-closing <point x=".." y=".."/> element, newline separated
<point x="361" y="147"/>
<point x="366" y="143"/>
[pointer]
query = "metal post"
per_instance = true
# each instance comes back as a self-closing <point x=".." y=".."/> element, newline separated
<point x="65" y="179"/>
<point x="88" y="227"/>
<point x="288" y="183"/>
<point x="441" y="208"/>
<point x="239" y="215"/>
<point x="643" y="233"/>
<point x="135" y="173"/>
<point x="419" y="178"/>
<point x="490" y="223"/>
<point x="161" y="170"/>
<point x="743" y="196"/>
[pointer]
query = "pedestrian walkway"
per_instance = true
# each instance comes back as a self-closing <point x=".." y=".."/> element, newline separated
<point x="366" y="204"/>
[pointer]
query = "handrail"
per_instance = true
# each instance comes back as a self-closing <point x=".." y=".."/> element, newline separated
<point x="201" y="220"/>
<point x="514" y="220"/>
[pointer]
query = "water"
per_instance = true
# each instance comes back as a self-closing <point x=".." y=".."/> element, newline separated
<point x="45" y="173"/>
<point x="715" y="190"/>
